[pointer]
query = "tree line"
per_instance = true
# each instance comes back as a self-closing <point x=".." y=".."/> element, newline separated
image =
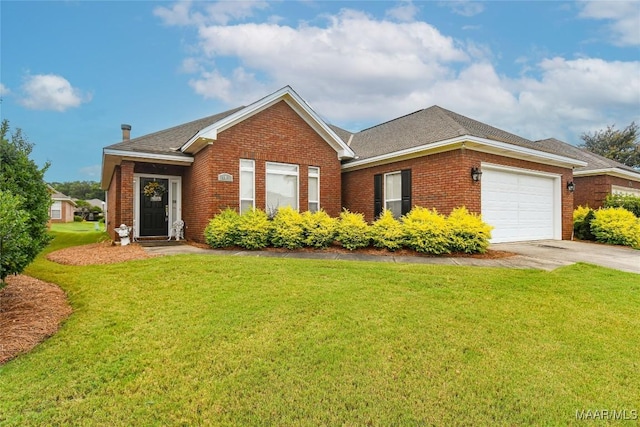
<point x="83" y="190"/>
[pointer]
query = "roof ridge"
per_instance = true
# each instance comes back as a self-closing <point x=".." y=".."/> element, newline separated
<point x="389" y="121"/>
<point x="159" y="132"/>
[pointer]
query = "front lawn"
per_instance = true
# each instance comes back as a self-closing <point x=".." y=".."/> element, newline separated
<point x="196" y="340"/>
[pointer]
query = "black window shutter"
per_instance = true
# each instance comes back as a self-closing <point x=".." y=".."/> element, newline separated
<point x="377" y="195"/>
<point x="406" y="191"/>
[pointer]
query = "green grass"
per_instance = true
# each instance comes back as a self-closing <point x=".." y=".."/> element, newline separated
<point x="195" y="340"/>
<point x="75" y="227"/>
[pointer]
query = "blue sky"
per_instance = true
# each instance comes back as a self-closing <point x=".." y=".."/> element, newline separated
<point x="72" y="71"/>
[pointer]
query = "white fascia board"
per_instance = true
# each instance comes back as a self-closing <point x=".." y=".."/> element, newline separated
<point x="288" y="95"/>
<point x="620" y="173"/>
<point x="490" y="146"/>
<point x="148" y="156"/>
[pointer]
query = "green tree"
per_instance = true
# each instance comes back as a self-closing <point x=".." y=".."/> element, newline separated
<point x="84" y="190"/>
<point x="14" y="235"/>
<point x="21" y="177"/>
<point x="620" y="145"/>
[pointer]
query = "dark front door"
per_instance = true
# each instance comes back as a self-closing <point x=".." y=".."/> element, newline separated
<point x="154" y="219"/>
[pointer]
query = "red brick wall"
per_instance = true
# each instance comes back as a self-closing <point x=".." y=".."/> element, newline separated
<point x="276" y="134"/>
<point x="592" y="190"/>
<point x="443" y="181"/>
<point x="120" y="199"/>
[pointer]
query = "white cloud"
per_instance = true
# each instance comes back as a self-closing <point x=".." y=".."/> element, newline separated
<point x="624" y="17"/>
<point x="464" y="7"/>
<point x="51" y="92"/>
<point x="356" y="71"/>
<point x="91" y="172"/>
<point x="221" y="12"/>
<point x="4" y="90"/>
<point x="404" y="12"/>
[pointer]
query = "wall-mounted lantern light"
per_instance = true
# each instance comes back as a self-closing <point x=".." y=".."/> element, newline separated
<point x="476" y="174"/>
<point x="571" y="186"/>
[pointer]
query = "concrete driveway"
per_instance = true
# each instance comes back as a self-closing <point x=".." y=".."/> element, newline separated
<point x="550" y="254"/>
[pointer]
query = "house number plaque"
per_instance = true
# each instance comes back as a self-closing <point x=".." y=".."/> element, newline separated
<point x="225" y="177"/>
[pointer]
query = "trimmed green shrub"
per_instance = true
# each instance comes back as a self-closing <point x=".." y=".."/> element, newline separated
<point x="77" y="218"/>
<point x="582" y="217"/>
<point x="467" y="232"/>
<point x="287" y="229"/>
<point x="254" y="230"/>
<point x="616" y="226"/>
<point x="14" y="235"/>
<point x="353" y="231"/>
<point x="387" y="232"/>
<point x="426" y="231"/>
<point x="222" y="230"/>
<point x="319" y="229"/>
<point x="627" y="201"/>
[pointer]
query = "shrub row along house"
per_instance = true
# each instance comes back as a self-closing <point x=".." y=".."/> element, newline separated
<point x="278" y="152"/>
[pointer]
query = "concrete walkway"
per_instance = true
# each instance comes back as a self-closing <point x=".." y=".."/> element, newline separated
<point x="542" y="255"/>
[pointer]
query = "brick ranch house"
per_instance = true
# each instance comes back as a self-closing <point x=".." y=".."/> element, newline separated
<point x="278" y="151"/>
<point x="599" y="178"/>
<point x="62" y="207"/>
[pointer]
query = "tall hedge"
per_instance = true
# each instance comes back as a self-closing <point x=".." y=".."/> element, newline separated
<point x="20" y="176"/>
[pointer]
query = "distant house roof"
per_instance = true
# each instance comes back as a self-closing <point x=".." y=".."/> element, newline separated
<point x="596" y="164"/>
<point x="435" y="128"/>
<point x="59" y="197"/>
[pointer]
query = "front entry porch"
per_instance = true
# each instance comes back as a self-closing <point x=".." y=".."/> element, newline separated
<point x="157" y="204"/>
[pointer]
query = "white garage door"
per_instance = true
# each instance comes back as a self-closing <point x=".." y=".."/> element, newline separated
<point x="521" y="206"/>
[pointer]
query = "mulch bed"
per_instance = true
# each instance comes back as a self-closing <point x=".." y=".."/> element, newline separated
<point x="30" y="311"/>
<point x="98" y="253"/>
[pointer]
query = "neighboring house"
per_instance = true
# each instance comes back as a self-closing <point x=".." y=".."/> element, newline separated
<point x="278" y="151"/>
<point x="62" y="207"/>
<point x="599" y="178"/>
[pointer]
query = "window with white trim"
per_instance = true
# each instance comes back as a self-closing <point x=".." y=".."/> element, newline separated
<point x="56" y="210"/>
<point x="247" y="185"/>
<point x="314" y="189"/>
<point x="393" y="193"/>
<point x="281" y="186"/>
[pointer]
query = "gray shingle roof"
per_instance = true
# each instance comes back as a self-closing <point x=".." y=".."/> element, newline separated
<point x="594" y="161"/>
<point x="168" y="141"/>
<point x="428" y="126"/>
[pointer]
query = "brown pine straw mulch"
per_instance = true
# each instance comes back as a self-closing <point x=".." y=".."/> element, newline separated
<point x="98" y="253"/>
<point x="30" y="311"/>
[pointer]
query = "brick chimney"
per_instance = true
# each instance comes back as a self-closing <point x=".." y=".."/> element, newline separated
<point x="126" y="132"/>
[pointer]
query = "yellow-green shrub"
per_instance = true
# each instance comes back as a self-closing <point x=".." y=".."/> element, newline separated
<point x="387" y="232"/>
<point x="319" y="229"/>
<point x="287" y="229"/>
<point x="582" y="217"/>
<point x="616" y="226"/>
<point x="580" y="213"/>
<point x="254" y="230"/>
<point x="222" y="230"/>
<point x="467" y="232"/>
<point x="426" y="231"/>
<point x="352" y="231"/>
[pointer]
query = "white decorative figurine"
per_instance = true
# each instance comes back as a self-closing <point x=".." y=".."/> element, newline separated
<point x="123" y="231"/>
<point x="177" y="230"/>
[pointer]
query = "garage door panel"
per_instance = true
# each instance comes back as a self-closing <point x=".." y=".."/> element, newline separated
<point x="519" y="205"/>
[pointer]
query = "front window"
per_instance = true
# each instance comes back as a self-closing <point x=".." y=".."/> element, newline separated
<point x="393" y="193"/>
<point x="247" y="185"/>
<point x="56" y="210"/>
<point x="314" y="189"/>
<point x="282" y="186"/>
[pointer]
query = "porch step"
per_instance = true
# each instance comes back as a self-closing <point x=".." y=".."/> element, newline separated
<point x="160" y="242"/>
